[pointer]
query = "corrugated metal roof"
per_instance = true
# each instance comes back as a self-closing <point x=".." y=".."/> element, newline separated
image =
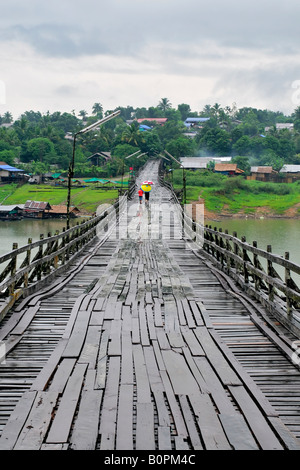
<point x="261" y="169"/>
<point x="9" y="168"/>
<point x="196" y="119"/>
<point x="225" y="166"/>
<point x="290" y="169"/>
<point x="36" y="205"/>
<point x="61" y="209"/>
<point x="194" y="162"/>
<point x="10" y="208"/>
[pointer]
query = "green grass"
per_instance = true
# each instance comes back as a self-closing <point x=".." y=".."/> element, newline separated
<point x="86" y="199"/>
<point x="236" y="194"/>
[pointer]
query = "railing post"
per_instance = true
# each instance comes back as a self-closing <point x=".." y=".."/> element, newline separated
<point x="27" y="262"/>
<point x="270" y="273"/>
<point x="235" y="250"/>
<point x="246" y="276"/>
<point x="287" y="278"/>
<point x="256" y="265"/>
<point x="13" y="268"/>
<point x="227" y="247"/>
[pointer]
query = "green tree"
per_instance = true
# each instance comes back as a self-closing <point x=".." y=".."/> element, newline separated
<point x="164" y="104"/>
<point x="98" y="110"/>
<point x="41" y="149"/>
<point x="132" y="135"/>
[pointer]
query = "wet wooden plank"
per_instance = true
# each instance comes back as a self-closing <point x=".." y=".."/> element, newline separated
<point x="90" y="348"/>
<point x="144" y="333"/>
<point x="62" y="374"/>
<point x="18" y="417"/>
<point x="63" y="419"/>
<point x="43" y="378"/>
<point x="110" y="405"/>
<point x="76" y="340"/>
<point x="216" y="358"/>
<point x="174" y="407"/>
<point x="194" y="432"/>
<point x="127" y="359"/>
<point x="211" y="429"/>
<point x="85" y="433"/>
<point x="124" y="439"/>
<point x="150" y="322"/>
<point x="164" y="438"/>
<point x="142" y="380"/>
<point x="192" y="342"/>
<point x="145" y="427"/>
<point x="214" y="386"/>
<point x="37" y="423"/>
<point x="259" y="426"/>
<point x="182" y="380"/>
<point x="25" y="320"/>
<point x="188" y="313"/>
<point x="237" y="432"/>
<point x="102" y="357"/>
<point x="196" y="313"/>
<point x="114" y="347"/>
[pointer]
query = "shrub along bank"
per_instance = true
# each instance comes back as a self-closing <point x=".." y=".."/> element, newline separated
<point x="225" y="195"/>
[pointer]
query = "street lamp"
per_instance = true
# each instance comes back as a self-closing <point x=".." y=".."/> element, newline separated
<point x="71" y="167"/>
<point x="183" y="176"/>
<point x="123" y="166"/>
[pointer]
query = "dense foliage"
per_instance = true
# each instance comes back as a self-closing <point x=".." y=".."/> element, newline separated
<point x="43" y="142"/>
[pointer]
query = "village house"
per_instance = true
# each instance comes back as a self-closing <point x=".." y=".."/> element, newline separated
<point x="60" y="211"/>
<point x="36" y="209"/>
<point x="160" y="121"/>
<point x="262" y="173"/>
<point x="290" y="173"/>
<point x="11" y="212"/>
<point x="200" y="163"/>
<point x="9" y="174"/>
<point x="99" y="157"/>
<point x="229" y="169"/>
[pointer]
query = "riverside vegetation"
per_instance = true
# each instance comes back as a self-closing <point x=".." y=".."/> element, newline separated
<point x="42" y="143"/>
<point x="235" y="196"/>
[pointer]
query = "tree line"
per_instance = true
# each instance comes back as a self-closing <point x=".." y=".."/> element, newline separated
<point x="43" y="142"/>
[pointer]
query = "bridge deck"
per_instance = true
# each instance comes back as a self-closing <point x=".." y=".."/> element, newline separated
<point x="144" y="345"/>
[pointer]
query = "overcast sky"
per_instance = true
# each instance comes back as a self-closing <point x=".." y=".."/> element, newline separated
<point x="64" y="55"/>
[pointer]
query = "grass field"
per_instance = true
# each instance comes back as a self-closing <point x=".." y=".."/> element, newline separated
<point x="236" y="194"/>
<point x="87" y="199"/>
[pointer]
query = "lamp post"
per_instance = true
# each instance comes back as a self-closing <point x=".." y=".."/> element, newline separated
<point x="183" y="176"/>
<point x="71" y="167"/>
<point x="135" y="153"/>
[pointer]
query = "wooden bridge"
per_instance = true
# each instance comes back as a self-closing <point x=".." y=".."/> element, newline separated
<point x="158" y="336"/>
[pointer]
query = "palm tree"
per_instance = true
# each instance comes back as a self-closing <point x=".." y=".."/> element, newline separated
<point x="82" y="114"/>
<point x="98" y="110"/>
<point x="164" y="104"/>
<point x="132" y="134"/>
<point x="7" y="118"/>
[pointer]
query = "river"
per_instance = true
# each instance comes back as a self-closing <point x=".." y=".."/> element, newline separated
<point x="18" y="231"/>
<point x="281" y="234"/>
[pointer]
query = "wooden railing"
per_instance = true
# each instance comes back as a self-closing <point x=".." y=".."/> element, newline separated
<point x="29" y="268"/>
<point x="271" y="279"/>
<point x="257" y="272"/>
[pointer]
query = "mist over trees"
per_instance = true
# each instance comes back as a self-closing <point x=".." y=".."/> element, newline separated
<point x="43" y="142"/>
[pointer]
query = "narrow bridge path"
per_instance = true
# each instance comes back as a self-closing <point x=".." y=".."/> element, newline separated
<point x="143" y="345"/>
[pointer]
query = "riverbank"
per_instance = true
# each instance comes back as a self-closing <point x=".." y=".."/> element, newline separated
<point x="263" y="212"/>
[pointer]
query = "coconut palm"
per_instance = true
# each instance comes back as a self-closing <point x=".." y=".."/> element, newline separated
<point x="98" y="110"/>
<point x="164" y="104"/>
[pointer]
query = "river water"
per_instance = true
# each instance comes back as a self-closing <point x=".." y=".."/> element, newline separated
<point x="282" y="234"/>
<point x="18" y="231"/>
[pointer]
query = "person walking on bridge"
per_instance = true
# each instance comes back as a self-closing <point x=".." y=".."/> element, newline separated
<point x="141" y="192"/>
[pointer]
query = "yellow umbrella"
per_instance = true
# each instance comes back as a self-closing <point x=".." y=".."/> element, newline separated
<point x="146" y="188"/>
